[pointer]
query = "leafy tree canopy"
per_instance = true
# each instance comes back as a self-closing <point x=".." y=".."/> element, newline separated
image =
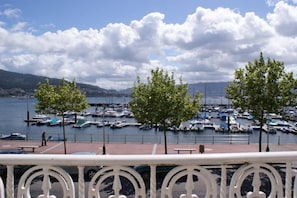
<point x="262" y="87"/>
<point x="161" y="101"/>
<point x="59" y="99"/>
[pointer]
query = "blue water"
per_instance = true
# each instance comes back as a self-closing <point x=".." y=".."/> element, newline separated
<point x="14" y="112"/>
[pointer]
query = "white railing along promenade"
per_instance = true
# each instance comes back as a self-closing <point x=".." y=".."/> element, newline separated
<point x="187" y="175"/>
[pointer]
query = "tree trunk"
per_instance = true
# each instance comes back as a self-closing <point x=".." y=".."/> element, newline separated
<point x="64" y="133"/>
<point x="260" y="137"/>
<point x="165" y="141"/>
<point x="260" y="131"/>
<point x="165" y="137"/>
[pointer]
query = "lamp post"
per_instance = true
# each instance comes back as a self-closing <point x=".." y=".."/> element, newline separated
<point x="103" y="147"/>
<point x="28" y="114"/>
<point x="28" y="117"/>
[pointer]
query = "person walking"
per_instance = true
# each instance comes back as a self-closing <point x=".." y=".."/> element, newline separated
<point x="43" y="139"/>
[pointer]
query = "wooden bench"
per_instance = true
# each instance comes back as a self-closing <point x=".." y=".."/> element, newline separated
<point x="184" y="149"/>
<point x="33" y="147"/>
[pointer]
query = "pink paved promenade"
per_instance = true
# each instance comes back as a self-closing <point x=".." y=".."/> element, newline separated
<point x="133" y="149"/>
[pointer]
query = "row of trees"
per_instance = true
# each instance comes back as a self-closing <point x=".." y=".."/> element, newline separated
<point x="261" y="87"/>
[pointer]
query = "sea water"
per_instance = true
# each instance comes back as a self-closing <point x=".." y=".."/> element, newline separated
<point x="13" y="113"/>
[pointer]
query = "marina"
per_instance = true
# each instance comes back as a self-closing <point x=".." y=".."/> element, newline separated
<point x="120" y="127"/>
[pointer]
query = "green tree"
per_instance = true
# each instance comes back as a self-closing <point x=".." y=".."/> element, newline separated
<point x="262" y="87"/>
<point x="60" y="99"/>
<point x="161" y="102"/>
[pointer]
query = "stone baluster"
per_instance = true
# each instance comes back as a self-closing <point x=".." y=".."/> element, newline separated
<point x="10" y="182"/>
<point x="81" y="182"/>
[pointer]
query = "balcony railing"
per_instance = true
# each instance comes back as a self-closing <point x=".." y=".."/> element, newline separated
<point x="185" y="176"/>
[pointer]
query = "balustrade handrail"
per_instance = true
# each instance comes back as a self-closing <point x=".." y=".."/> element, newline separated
<point x="128" y="160"/>
<point x="222" y="175"/>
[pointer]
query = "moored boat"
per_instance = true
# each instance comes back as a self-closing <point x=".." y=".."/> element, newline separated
<point x="117" y="125"/>
<point x="54" y="122"/>
<point x="13" y="136"/>
<point x="81" y="123"/>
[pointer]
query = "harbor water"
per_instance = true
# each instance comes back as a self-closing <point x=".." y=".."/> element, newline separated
<point x="14" y="113"/>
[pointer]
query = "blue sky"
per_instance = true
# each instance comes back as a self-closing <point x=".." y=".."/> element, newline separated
<point x="109" y="43"/>
<point x="55" y="15"/>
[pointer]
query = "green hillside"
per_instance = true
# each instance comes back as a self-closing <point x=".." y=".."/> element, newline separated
<point x="16" y="84"/>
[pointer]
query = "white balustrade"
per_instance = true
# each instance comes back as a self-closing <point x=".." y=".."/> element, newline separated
<point x="166" y="176"/>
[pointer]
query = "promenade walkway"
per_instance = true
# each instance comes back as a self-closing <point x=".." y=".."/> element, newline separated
<point x="133" y="149"/>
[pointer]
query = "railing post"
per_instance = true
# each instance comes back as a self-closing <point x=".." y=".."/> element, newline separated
<point x="288" y="180"/>
<point x="223" y="181"/>
<point x="153" y="186"/>
<point x="10" y="182"/>
<point x="2" y="189"/>
<point x="81" y="182"/>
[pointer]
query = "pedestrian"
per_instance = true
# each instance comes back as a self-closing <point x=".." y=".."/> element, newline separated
<point x="43" y="139"/>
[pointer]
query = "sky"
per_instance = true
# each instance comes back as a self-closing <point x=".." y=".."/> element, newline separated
<point x="108" y="43"/>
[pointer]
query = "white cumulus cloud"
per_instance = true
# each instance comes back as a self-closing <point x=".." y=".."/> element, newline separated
<point x="11" y="13"/>
<point x="207" y="46"/>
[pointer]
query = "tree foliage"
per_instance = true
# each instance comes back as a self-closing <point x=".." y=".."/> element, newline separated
<point x="161" y="102"/>
<point x="60" y="99"/>
<point x="262" y="87"/>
